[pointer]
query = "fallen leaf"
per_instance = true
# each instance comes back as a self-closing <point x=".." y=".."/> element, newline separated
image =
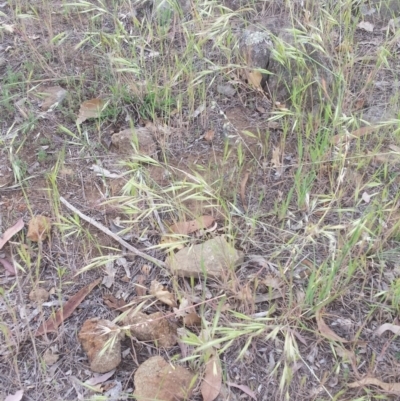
<point x="39" y="228"/>
<point x="18" y="226"/>
<point x="51" y="325"/>
<point x="157" y="289"/>
<point x="244" y="388"/>
<point x="91" y="109"/>
<point x="326" y="331"/>
<point x="209" y="135"/>
<point x="188" y="227"/>
<point x="243" y="190"/>
<point x="99" y="378"/>
<point x="387" y="326"/>
<point x="368" y="381"/>
<point x="212" y="381"/>
<point x="15" y="397"/>
<point x="53" y="96"/>
<point x="8" y="266"/>
<point x="358" y="133"/>
<point x="366" y="26"/>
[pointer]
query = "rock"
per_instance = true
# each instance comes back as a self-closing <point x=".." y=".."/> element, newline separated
<point x="94" y="337"/>
<point x="140" y="138"/>
<point x="255" y="48"/>
<point x="300" y="76"/>
<point x="214" y="258"/>
<point x="155" y="327"/>
<point x="291" y="74"/>
<point x="386" y="9"/>
<point x="158" y="380"/>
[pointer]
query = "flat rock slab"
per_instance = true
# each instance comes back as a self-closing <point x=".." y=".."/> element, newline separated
<point x="158" y="380"/>
<point x="214" y="258"/>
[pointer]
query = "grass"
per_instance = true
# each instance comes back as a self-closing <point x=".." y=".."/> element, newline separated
<point x="322" y="216"/>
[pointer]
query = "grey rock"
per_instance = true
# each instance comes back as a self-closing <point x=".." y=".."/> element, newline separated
<point x="255" y="48"/>
<point x="214" y="258"/>
<point x="386" y="9"/>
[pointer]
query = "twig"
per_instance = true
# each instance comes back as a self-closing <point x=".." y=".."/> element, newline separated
<point x="112" y="235"/>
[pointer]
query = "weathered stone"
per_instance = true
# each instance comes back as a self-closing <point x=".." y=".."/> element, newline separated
<point x="296" y="69"/>
<point x="255" y="48"/>
<point x="385" y="9"/>
<point x="155" y="379"/>
<point x="140" y="138"/>
<point x="214" y="258"/>
<point x="93" y="337"/>
<point x="155" y="327"/>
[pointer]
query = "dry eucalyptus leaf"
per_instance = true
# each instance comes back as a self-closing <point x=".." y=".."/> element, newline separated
<point x="212" y="380"/>
<point x="51" y="325"/>
<point x="91" y="109"/>
<point x="15" y="397"/>
<point x="39" y="228"/>
<point x="53" y="96"/>
<point x="387" y="326"/>
<point x="6" y="236"/>
<point x="372" y="381"/>
<point x="326" y="331"/>
<point x="157" y="289"/>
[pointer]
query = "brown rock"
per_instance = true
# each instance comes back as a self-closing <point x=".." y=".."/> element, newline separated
<point x="213" y="259"/>
<point x="94" y="336"/>
<point x="140" y="139"/>
<point x="158" y="380"/>
<point x="155" y="327"/>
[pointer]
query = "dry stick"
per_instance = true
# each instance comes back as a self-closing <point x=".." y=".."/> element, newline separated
<point x="113" y="235"/>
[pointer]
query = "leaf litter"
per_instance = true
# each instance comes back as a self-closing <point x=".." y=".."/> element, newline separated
<point x="51" y="325"/>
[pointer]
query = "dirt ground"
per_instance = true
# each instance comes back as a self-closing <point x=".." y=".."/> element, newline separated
<point x="310" y="209"/>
